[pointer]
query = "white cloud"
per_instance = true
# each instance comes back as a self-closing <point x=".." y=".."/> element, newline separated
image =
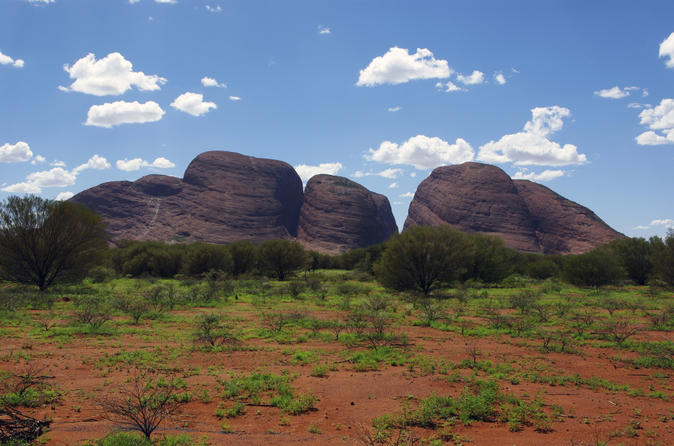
<point x="305" y="171"/>
<point x="15" y="153"/>
<point x="613" y="93"/>
<point x="216" y="8"/>
<point x="448" y="87"/>
<point x="667" y="50"/>
<point x="56" y="177"/>
<point x="650" y="138"/>
<point x="546" y="175"/>
<point x="96" y="162"/>
<point x="532" y="146"/>
<point x="394" y="109"/>
<point x="22" y="188"/>
<point x="234" y="98"/>
<point x="38" y="159"/>
<point x="398" y="66"/>
<point x="63" y="196"/>
<point x="323" y="30"/>
<point x="658" y="118"/>
<point x="6" y="60"/>
<point x="500" y="78"/>
<point x="393" y="185"/>
<point x="638" y="105"/>
<point x="193" y="104"/>
<point x="642" y="227"/>
<point x="668" y="222"/>
<point x="121" y="112"/>
<point x="57" y="163"/>
<point x="166" y="1"/>
<point x="129" y="165"/>
<point x="133" y="1"/>
<point x="41" y="2"/>
<point x="476" y="77"/>
<point x="211" y="82"/>
<point x="407" y="195"/>
<point x="111" y="75"/>
<point x="413" y="174"/>
<point x="422" y="152"/>
<point x="390" y="173"/>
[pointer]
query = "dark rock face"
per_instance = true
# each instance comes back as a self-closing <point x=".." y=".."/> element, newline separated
<point x="563" y="226"/>
<point x="225" y="197"/>
<point x="474" y="197"/>
<point x="339" y="214"/>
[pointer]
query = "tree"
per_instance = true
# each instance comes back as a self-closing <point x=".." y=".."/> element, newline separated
<point x="663" y="257"/>
<point x="635" y="256"/>
<point x="44" y="241"/>
<point x="492" y="261"/>
<point x="243" y="257"/>
<point x="423" y="257"/>
<point x="594" y="269"/>
<point x="280" y="258"/>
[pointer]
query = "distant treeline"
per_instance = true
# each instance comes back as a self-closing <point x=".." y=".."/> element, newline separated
<point x="484" y="259"/>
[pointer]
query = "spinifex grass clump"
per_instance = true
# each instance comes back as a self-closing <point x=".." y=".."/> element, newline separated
<point x="266" y="389"/>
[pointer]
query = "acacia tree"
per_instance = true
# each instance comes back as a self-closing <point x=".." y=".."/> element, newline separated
<point x="44" y="241"/>
<point x="280" y="258"/>
<point x="422" y="258"/>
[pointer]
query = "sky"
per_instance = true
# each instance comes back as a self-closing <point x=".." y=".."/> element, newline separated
<point x="575" y="95"/>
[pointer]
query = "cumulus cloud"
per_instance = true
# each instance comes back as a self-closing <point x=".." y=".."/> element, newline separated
<point x="130" y="165"/>
<point x="323" y="30"/>
<point x="546" y="175"/>
<point x="38" y="159"/>
<point x="667" y="50"/>
<point x="55" y="177"/>
<point x="15" y="153"/>
<point x="422" y="152"/>
<point x="532" y="146"/>
<point x="618" y="93"/>
<point x="398" y="66"/>
<point x="41" y="2"/>
<point x="166" y="1"/>
<point x="407" y="195"/>
<point x="234" y="98"/>
<point x="96" y="162"/>
<point x="390" y="173"/>
<point x="393" y="185"/>
<point x="394" y="109"/>
<point x="6" y="60"/>
<point x="111" y="75"/>
<point x="306" y="171"/>
<point x="216" y="8"/>
<point x="476" y="77"/>
<point x="211" y="82"/>
<point x="121" y="112"/>
<point x="448" y="87"/>
<point x="658" y="119"/>
<point x="63" y="196"/>
<point x="500" y="78"/>
<point x="193" y="104"/>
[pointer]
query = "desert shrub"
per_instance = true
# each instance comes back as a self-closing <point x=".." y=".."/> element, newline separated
<point x="92" y="311"/>
<point x="524" y="301"/>
<point x="280" y="258"/>
<point x="100" y="273"/>
<point x="663" y="257"/>
<point x="213" y="330"/>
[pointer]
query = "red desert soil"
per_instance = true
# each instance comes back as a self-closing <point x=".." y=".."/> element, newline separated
<point x="348" y="399"/>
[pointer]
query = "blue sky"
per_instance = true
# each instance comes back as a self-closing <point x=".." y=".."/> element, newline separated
<point x="574" y="94"/>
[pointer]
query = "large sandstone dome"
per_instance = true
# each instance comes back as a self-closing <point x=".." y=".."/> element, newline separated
<point x="474" y="197"/>
<point x="338" y="212"/>
<point x="225" y="196"/>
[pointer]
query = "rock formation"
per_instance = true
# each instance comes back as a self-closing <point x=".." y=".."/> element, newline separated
<point x="225" y="197"/>
<point x="340" y="214"/>
<point x="474" y="197"/>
